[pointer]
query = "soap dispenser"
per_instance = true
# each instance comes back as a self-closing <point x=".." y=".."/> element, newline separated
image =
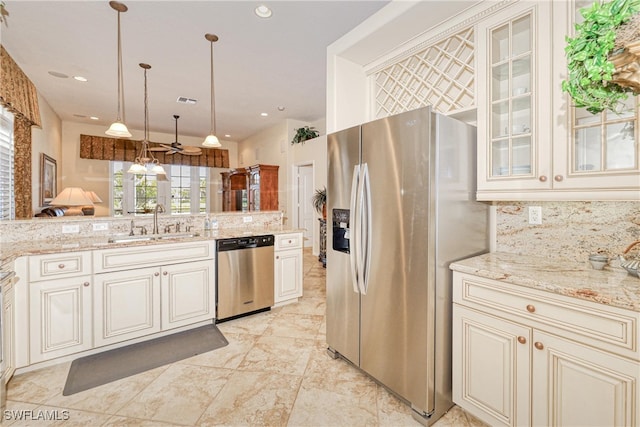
<point x="207" y="223"/>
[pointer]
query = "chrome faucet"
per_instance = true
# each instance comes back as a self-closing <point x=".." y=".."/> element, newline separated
<point x="159" y="208"/>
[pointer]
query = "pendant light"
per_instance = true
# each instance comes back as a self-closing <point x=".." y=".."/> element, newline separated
<point x="118" y="128"/>
<point x="145" y="162"/>
<point x="212" y="139"/>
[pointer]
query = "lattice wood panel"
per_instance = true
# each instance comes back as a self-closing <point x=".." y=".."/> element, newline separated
<point x="441" y="75"/>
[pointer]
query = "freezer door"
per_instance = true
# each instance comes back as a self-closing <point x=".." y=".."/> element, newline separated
<point x="343" y="304"/>
<point x="397" y="313"/>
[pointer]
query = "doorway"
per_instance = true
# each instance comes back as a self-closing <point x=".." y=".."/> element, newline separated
<point x="305" y="212"/>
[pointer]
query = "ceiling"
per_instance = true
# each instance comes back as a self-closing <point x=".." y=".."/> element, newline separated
<point x="260" y="64"/>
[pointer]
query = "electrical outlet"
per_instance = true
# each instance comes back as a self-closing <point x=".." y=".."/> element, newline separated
<point x="71" y="228"/>
<point x="101" y="226"/>
<point x="246" y="219"/>
<point x="535" y="215"/>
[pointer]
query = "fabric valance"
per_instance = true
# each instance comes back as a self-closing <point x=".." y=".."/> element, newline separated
<point x="105" y="148"/>
<point x="17" y="92"/>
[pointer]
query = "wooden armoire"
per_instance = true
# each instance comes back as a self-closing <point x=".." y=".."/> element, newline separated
<point x="250" y="189"/>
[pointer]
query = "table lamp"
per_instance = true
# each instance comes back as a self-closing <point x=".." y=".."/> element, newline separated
<point x="74" y="199"/>
<point x="91" y="195"/>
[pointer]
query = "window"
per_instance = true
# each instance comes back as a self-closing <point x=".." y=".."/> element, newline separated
<point x="185" y="192"/>
<point x="7" y="199"/>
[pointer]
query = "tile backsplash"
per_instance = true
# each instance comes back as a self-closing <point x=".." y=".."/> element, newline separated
<point x="51" y="228"/>
<point x="569" y="230"/>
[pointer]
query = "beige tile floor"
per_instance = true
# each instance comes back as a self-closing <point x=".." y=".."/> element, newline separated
<point x="275" y="372"/>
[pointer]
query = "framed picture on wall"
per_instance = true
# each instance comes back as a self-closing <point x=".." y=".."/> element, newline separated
<point x="48" y="184"/>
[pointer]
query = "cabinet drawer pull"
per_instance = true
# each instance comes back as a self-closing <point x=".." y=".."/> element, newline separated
<point x="522" y="340"/>
<point x="538" y="345"/>
<point x="289" y="241"/>
<point x="277" y="256"/>
<point x="531" y="308"/>
<point x="156" y="274"/>
<point x="60" y="266"/>
<point x="543" y="178"/>
<point x="558" y="178"/>
<point x="86" y="284"/>
<point x="164" y="273"/>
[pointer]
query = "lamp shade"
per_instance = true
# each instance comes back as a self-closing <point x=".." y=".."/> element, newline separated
<point x="74" y="198"/>
<point x="119" y="130"/>
<point x="91" y="195"/>
<point x="211" y="141"/>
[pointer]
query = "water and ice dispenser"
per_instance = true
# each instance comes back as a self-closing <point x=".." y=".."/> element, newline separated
<point x="340" y="220"/>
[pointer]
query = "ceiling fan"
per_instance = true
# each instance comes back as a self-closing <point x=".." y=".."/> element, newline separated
<point x="176" y="147"/>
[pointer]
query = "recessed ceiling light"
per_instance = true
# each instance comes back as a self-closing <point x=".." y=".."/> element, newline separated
<point x="263" y="11"/>
<point x="227" y="136"/>
<point x="80" y="78"/>
<point x="58" y="75"/>
<point x="94" y="118"/>
<point x="264" y="114"/>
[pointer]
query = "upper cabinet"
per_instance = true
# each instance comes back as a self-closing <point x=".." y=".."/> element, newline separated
<point x="532" y="143"/>
<point x="514" y="90"/>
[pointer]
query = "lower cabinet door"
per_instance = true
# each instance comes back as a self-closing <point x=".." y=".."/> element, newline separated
<point x="288" y="275"/>
<point x="60" y="318"/>
<point x="126" y="305"/>
<point x="577" y="385"/>
<point x="188" y="293"/>
<point x="491" y="365"/>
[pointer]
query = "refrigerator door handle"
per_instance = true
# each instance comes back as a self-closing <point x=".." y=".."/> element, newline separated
<point x="366" y="229"/>
<point x="353" y="227"/>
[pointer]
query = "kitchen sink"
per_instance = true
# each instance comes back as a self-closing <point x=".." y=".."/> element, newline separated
<point x="144" y="237"/>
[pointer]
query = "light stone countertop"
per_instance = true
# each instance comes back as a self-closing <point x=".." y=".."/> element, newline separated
<point x="11" y="251"/>
<point x="611" y="286"/>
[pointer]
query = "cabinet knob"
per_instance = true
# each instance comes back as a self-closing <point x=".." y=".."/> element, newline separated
<point x="522" y="340"/>
<point x="277" y="256"/>
<point x="558" y="178"/>
<point x="156" y="274"/>
<point x="531" y="308"/>
<point x="543" y="178"/>
<point x="164" y="273"/>
<point x="60" y="266"/>
<point x="85" y="284"/>
<point x="289" y="241"/>
<point x="538" y="345"/>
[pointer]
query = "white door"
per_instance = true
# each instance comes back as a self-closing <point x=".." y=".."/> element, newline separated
<point x="306" y="213"/>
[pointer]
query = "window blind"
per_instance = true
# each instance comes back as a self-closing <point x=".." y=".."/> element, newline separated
<point x="7" y="199"/>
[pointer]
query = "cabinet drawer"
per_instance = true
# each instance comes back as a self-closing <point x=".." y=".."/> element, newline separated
<point x="152" y="255"/>
<point x="288" y="241"/>
<point x="56" y="266"/>
<point x="609" y="328"/>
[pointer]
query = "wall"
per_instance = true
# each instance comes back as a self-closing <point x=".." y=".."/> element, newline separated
<point x="47" y="140"/>
<point x="94" y="174"/>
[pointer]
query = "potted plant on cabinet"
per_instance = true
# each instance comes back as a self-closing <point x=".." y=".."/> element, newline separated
<point x="304" y="133"/>
<point x="319" y="201"/>
<point x="601" y="57"/>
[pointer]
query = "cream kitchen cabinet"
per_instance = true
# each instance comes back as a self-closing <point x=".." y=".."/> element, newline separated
<point x="288" y="268"/>
<point x="532" y="144"/>
<point x="60" y="317"/>
<point x="8" y="331"/>
<point x="126" y="305"/>
<point x="529" y="357"/>
<point x="171" y="292"/>
<point x="58" y="302"/>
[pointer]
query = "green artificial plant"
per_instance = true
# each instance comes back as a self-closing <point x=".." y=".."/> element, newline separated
<point x="304" y="133"/>
<point x="590" y="70"/>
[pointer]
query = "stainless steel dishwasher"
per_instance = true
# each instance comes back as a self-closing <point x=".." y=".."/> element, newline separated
<point x="245" y="275"/>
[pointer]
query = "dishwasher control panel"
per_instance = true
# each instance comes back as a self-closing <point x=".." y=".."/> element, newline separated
<point x="245" y="242"/>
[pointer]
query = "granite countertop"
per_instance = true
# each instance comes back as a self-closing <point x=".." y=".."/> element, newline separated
<point x="12" y="250"/>
<point x="611" y="286"/>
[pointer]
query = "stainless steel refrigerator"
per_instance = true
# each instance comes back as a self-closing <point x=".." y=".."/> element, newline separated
<point x="401" y="201"/>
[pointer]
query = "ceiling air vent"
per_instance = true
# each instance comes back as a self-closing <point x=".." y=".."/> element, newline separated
<point x="185" y="100"/>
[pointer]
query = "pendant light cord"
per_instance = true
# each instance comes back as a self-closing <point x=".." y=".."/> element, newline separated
<point x="120" y="83"/>
<point x="213" y="97"/>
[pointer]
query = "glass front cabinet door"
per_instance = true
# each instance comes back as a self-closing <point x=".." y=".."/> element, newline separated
<point x="513" y="86"/>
